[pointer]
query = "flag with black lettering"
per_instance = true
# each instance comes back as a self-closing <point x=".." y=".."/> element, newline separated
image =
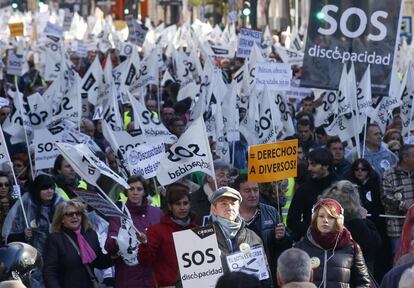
<point x="407" y="96"/>
<point x="40" y="110"/>
<point x="18" y="122"/>
<point x="91" y="82"/>
<point x="328" y="109"/>
<point x="383" y="107"/>
<point x="53" y="56"/>
<point x="150" y="123"/>
<point x="86" y="164"/>
<point x="189" y="154"/>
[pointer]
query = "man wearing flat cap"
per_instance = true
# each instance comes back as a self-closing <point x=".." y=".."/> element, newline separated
<point x="232" y="235"/>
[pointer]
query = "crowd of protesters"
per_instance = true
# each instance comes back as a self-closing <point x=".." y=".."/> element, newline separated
<point x="346" y="213"/>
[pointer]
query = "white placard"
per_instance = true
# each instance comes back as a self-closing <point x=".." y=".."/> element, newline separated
<point x="145" y="159"/>
<point x="45" y="150"/>
<point x="198" y="257"/>
<point x="14" y="64"/>
<point x="276" y="76"/>
<point x="67" y="20"/>
<point x="247" y="38"/>
<point x="253" y="262"/>
<point x="53" y="29"/>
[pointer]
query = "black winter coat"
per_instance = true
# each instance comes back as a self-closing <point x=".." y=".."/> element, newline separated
<point x="300" y="210"/>
<point x="365" y="233"/>
<point x="345" y="268"/>
<point x="63" y="266"/>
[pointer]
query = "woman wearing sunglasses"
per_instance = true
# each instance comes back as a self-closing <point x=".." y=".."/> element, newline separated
<point x="368" y="181"/>
<point x="39" y="206"/>
<point x="73" y="249"/>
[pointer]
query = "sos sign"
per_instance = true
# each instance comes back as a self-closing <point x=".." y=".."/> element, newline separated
<point x="329" y="13"/>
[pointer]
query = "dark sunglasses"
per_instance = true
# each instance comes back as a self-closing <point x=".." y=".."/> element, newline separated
<point x="4" y="184"/>
<point x="71" y="214"/>
<point x="360" y="169"/>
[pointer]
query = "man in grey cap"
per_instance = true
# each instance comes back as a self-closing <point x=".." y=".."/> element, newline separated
<point x="232" y="235"/>
<point x="200" y="205"/>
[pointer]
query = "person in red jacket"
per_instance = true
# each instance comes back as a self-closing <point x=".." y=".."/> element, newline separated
<point x="157" y="248"/>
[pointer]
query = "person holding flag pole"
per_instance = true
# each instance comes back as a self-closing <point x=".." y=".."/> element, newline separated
<point x="79" y="155"/>
<point x="16" y="188"/>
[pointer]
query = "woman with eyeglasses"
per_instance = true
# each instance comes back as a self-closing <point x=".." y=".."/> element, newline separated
<point x="39" y="206"/>
<point x="128" y="272"/>
<point x="73" y="249"/>
<point x="157" y="249"/>
<point x="6" y="201"/>
<point x="368" y="181"/>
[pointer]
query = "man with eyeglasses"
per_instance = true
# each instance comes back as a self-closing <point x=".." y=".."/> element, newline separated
<point x="200" y="205"/>
<point x="263" y="220"/>
<point x="398" y="192"/>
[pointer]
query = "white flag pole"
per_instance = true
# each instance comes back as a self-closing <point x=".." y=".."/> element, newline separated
<point x="209" y="152"/>
<point x="117" y="208"/>
<point x="21" y="108"/>
<point x="3" y="140"/>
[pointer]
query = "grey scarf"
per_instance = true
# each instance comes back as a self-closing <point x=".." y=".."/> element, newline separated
<point x="182" y="222"/>
<point x="229" y="228"/>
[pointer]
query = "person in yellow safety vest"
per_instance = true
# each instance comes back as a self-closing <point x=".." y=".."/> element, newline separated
<point x="155" y="199"/>
<point x="288" y="195"/>
<point x="66" y="179"/>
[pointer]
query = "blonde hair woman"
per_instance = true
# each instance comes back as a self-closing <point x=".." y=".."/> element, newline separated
<point x="73" y="249"/>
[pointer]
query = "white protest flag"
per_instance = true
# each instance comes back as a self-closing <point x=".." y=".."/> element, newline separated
<point x="203" y="96"/>
<point x="289" y="56"/>
<point x="86" y="164"/>
<point x="248" y="125"/>
<point x="364" y="95"/>
<point x="68" y="103"/>
<point x="329" y="107"/>
<point x="219" y="90"/>
<point x="17" y="125"/>
<point x="407" y="95"/>
<point x="91" y="82"/>
<point x="4" y="153"/>
<point x="40" y="110"/>
<point x="149" y="70"/>
<point x="254" y="58"/>
<point x="166" y="77"/>
<point x="295" y="42"/>
<point x="191" y="153"/>
<point x="133" y="71"/>
<point x="269" y="123"/>
<point x="231" y="113"/>
<point x="107" y="101"/>
<point x="380" y="113"/>
<point x="122" y="141"/>
<point x="152" y="126"/>
<point x="345" y="125"/>
<point x="184" y="72"/>
<point x="53" y="56"/>
<point x="285" y="115"/>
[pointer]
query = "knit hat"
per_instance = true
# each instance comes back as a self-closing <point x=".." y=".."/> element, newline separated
<point x="328" y="202"/>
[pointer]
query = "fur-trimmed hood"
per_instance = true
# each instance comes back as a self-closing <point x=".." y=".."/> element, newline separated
<point x="347" y="195"/>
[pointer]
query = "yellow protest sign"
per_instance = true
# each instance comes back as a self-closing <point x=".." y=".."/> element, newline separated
<point x="16" y="29"/>
<point x="119" y="25"/>
<point x="273" y="162"/>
